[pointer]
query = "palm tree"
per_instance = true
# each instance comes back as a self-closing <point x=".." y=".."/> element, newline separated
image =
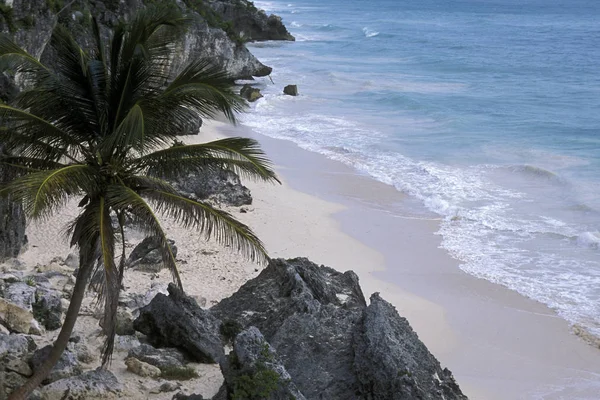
<point x="97" y="126"/>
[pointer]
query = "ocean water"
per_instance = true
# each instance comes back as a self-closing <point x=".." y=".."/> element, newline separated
<point x="485" y="112"/>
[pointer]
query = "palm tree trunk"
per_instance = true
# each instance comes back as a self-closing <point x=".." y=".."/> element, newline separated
<point x="63" y="337"/>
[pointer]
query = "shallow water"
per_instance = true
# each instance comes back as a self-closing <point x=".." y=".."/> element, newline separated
<point x="486" y="112"/>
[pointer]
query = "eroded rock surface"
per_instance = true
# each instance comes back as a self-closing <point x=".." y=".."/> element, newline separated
<point x="254" y="370"/>
<point x="318" y="322"/>
<point x="219" y="186"/>
<point x="177" y="321"/>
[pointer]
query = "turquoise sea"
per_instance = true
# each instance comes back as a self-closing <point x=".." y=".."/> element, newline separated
<point x="486" y="113"/>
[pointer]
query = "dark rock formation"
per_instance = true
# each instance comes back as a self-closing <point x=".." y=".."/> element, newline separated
<point x="250" y="93"/>
<point x="291" y="90"/>
<point x="147" y="255"/>
<point x="316" y="318"/>
<point x="390" y="361"/>
<point x="177" y="321"/>
<point x="250" y="23"/>
<point x="48" y="308"/>
<point x="219" y="186"/>
<point x="67" y="366"/>
<point x="30" y="22"/>
<point x="255" y="371"/>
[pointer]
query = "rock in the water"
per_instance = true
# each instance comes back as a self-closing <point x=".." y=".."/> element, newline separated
<point x="315" y="317"/>
<point x="177" y="321"/>
<point x="141" y="368"/>
<point x="67" y="365"/>
<point x="92" y="385"/>
<point x="250" y="93"/>
<point x="219" y="186"/>
<point x="147" y="256"/>
<point x="255" y="371"/>
<point x="291" y="90"/>
<point x="161" y="358"/>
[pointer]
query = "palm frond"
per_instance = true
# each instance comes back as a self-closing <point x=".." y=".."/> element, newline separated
<point x="206" y="89"/>
<point x="209" y="221"/>
<point x="26" y="131"/>
<point x="42" y="193"/>
<point x="122" y="198"/>
<point x="140" y="57"/>
<point x="241" y="155"/>
<point x="29" y="164"/>
<point x="16" y="60"/>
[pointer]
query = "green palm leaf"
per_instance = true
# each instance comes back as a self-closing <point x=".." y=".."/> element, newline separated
<point x="44" y="192"/>
<point x="241" y="155"/>
<point x="211" y="222"/>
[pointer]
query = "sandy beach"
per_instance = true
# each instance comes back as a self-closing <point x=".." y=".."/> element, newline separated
<point x="498" y="344"/>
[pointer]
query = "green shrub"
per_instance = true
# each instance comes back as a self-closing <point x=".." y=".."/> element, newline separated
<point x="55" y="5"/>
<point x="6" y="12"/>
<point x="256" y="387"/>
<point x="229" y="329"/>
<point x="27" y="22"/>
<point x="178" y="373"/>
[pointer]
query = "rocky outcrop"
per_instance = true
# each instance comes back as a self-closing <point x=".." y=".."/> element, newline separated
<point x="392" y="363"/>
<point x="249" y="93"/>
<point x="291" y="90"/>
<point x="222" y="187"/>
<point x="177" y="321"/>
<point x="28" y="304"/>
<point x="319" y="324"/>
<point x="254" y="371"/>
<point x="14" y="370"/>
<point x="160" y="358"/>
<point x="30" y="22"/>
<point x="250" y="23"/>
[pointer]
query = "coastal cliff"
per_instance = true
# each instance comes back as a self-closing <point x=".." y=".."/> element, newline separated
<point x="219" y="30"/>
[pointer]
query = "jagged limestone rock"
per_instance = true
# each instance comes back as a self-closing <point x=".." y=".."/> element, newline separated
<point x="253" y="370"/>
<point x="291" y="90"/>
<point x="177" y="321"/>
<point x="317" y="320"/>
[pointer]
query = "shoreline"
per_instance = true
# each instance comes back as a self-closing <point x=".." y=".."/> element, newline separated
<point x="498" y="343"/>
